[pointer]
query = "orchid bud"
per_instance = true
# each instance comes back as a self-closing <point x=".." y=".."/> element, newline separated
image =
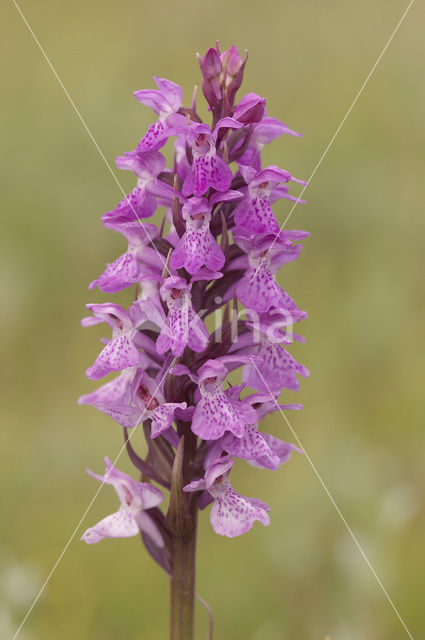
<point x="250" y="109"/>
<point x="234" y="68"/>
<point x="211" y="69"/>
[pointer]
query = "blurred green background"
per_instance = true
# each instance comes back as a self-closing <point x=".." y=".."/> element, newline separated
<point x="360" y="277"/>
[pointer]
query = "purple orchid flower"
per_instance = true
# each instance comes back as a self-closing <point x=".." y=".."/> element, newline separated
<point x="254" y="213"/>
<point x="197" y="247"/>
<point x="136" y="499"/>
<point x="116" y="391"/>
<point x="126" y="270"/>
<point x="266" y="253"/>
<point x="165" y="102"/>
<point x="141" y="202"/>
<point x="120" y="352"/>
<point x="261" y="449"/>
<point x="217" y="411"/>
<point x="207" y="169"/>
<point x="231" y="514"/>
<point x="276" y="370"/>
<point x="183" y="327"/>
<point x="280" y="451"/>
<point x="145" y="402"/>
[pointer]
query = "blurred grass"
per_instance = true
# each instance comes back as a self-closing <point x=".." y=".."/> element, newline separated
<point x="360" y="277"/>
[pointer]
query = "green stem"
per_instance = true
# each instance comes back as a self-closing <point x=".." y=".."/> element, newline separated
<point x="183" y="586"/>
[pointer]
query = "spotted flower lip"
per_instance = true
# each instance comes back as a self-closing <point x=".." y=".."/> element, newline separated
<point x="136" y="499"/>
<point x="197" y="247"/>
<point x="265" y="253"/>
<point x="251" y="446"/>
<point x="258" y="448"/>
<point x="120" y="352"/>
<point x="127" y="269"/>
<point x="231" y="514"/>
<point x="259" y="291"/>
<point x="208" y="169"/>
<point x="277" y="370"/>
<point x="254" y="213"/>
<point x="217" y="411"/>
<point x="183" y="327"/>
<point x="141" y="202"/>
<point x="280" y="450"/>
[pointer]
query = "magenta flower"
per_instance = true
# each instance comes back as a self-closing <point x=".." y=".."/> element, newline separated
<point x="254" y="213"/>
<point x="280" y="450"/>
<point x="208" y="168"/>
<point x="183" y="327"/>
<point x="116" y="391"/>
<point x="231" y="514"/>
<point x="145" y="401"/>
<point x="165" y="102"/>
<point x="141" y="202"/>
<point x="260" y="449"/>
<point x="197" y="247"/>
<point x="276" y="370"/>
<point x="120" y="352"/>
<point x="258" y="289"/>
<point x="217" y="411"/>
<point x="136" y="499"/>
<point x="127" y="269"/>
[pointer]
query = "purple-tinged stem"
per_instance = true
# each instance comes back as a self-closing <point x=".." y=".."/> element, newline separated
<point x="183" y="586"/>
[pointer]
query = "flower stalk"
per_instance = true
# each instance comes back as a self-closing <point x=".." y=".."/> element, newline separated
<point x="183" y="586"/>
